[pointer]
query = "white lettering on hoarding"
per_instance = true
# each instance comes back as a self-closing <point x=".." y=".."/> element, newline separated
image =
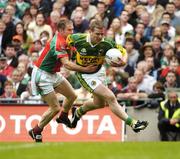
<point x="2" y="124"/>
<point x="74" y="131"/>
<point x="53" y="124"/>
<point x="17" y="119"/>
<point x="106" y="125"/>
<point x="30" y="120"/>
<point x="90" y="122"/>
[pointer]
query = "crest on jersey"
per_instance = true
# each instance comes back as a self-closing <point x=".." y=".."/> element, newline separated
<point x="93" y="83"/>
<point x="83" y="51"/>
<point x="101" y="52"/>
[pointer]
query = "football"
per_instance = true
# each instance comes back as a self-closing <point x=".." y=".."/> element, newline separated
<point x="115" y="56"/>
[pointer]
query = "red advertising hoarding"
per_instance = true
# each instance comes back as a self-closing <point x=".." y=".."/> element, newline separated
<point x="98" y="125"/>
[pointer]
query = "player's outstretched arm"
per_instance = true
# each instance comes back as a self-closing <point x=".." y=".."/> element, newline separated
<point x="74" y="67"/>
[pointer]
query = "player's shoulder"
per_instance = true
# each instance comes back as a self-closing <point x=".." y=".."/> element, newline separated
<point x="109" y="41"/>
<point x="77" y="36"/>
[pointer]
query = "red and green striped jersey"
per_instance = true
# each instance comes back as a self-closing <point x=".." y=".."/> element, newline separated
<point x="49" y="59"/>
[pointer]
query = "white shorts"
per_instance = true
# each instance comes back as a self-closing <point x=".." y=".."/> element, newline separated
<point x="43" y="82"/>
<point x="91" y="81"/>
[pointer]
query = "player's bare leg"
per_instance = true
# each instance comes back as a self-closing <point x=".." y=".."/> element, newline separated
<point x="107" y="95"/>
<point x="91" y="104"/>
<point x="53" y="109"/>
<point x="66" y="89"/>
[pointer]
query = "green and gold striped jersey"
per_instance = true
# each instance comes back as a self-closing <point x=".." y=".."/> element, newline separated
<point x="88" y="54"/>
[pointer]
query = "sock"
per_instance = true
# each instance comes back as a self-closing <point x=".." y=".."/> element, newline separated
<point x="63" y="114"/>
<point x="37" y="129"/>
<point x="80" y="112"/>
<point x="129" y="121"/>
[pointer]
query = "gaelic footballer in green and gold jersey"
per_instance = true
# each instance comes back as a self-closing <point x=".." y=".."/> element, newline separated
<point x="89" y="54"/>
<point x="91" y="49"/>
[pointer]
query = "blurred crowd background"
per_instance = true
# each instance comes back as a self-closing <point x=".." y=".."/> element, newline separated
<point x="148" y="29"/>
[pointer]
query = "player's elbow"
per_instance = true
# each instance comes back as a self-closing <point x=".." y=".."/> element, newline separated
<point x="68" y="65"/>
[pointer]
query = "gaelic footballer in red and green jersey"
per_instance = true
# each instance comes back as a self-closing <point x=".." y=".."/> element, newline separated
<point x="49" y="59"/>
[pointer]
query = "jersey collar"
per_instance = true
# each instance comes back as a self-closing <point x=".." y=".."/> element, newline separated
<point x="88" y="39"/>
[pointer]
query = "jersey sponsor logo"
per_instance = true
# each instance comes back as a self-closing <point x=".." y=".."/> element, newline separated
<point x="87" y="60"/>
<point x="101" y="52"/>
<point x="83" y="51"/>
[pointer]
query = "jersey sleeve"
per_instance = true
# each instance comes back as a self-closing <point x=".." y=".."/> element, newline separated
<point x="60" y="48"/>
<point x="121" y="49"/>
<point x="70" y="40"/>
<point x="123" y="52"/>
<point x="73" y="38"/>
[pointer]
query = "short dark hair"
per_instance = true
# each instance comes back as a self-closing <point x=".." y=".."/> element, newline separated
<point x="166" y="13"/>
<point x="96" y="24"/>
<point x="170" y="3"/>
<point x="141" y="23"/>
<point x="63" y="23"/>
<point x="157" y="37"/>
<point x="10" y="45"/>
<point x="171" y="71"/>
<point x="8" y="83"/>
<point x="158" y="85"/>
<point x="129" y="39"/>
<point x="101" y="2"/>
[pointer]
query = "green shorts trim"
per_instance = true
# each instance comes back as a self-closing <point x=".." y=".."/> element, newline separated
<point x="83" y="82"/>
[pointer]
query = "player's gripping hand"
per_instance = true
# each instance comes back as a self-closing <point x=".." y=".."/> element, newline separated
<point x="90" y="68"/>
<point x="119" y="64"/>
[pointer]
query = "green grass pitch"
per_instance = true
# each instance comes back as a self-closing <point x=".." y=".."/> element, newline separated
<point x="91" y="150"/>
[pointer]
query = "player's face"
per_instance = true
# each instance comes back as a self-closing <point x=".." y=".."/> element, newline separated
<point x="96" y="35"/>
<point x="68" y="30"/>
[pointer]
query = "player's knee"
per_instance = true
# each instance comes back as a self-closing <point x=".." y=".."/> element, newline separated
<point x="111" y="98"/>
<point x="73" y="97"/>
